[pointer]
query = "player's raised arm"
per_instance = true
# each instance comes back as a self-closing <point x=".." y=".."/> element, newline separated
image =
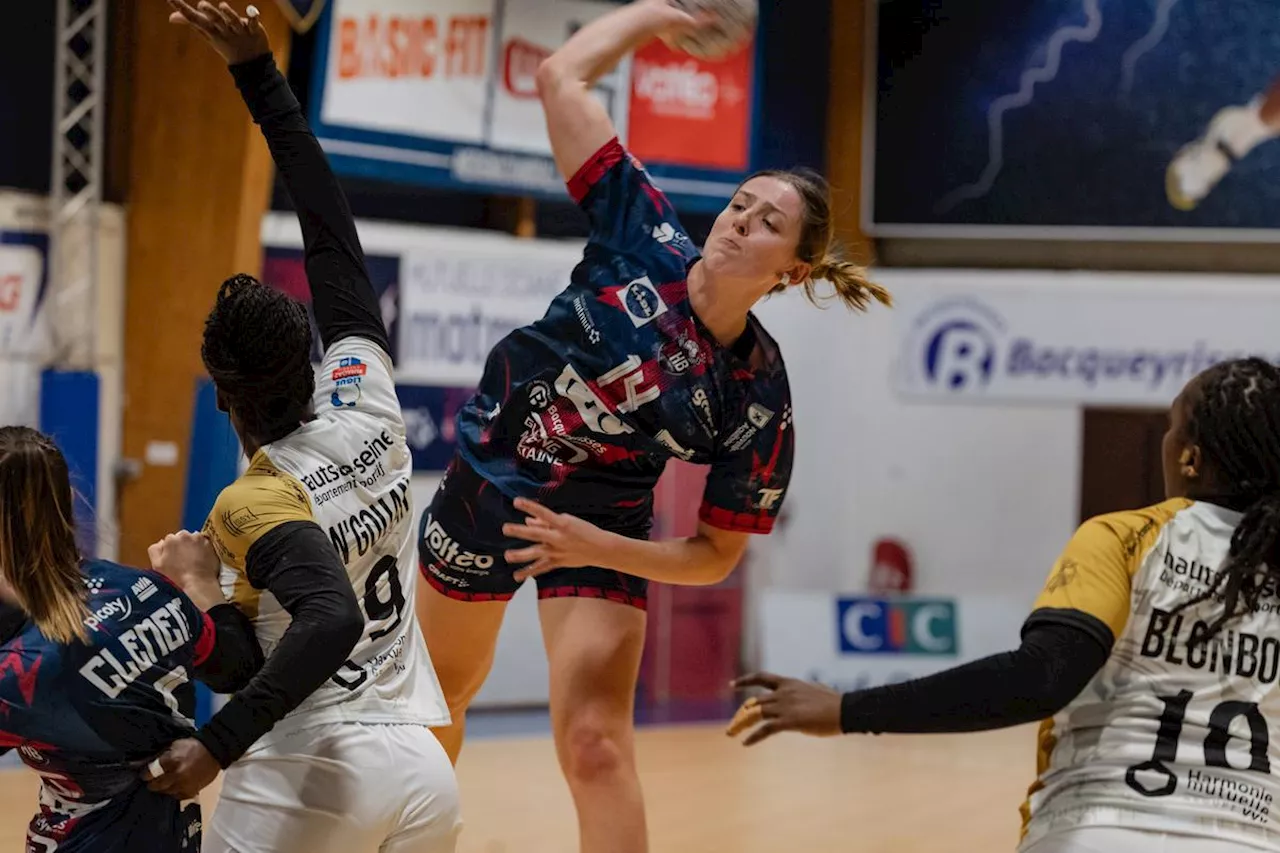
<point x="342" y="296"/>
<point x="577" y="122"/>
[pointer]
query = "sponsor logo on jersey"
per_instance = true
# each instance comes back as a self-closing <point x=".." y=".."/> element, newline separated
<point x="642" y="302"/>
<point x="666" y="233"/>
<point x="347" y="377"/>
<point x="899" y="626"/>
<point x="356" y="534"/>
<point x="118" y="608"/>
<point x="539" y="395"/>
<point x="759" y="415"/>
<point x="144" y="588"/>
<point x="674" y="446"/>
<point x="584" y="318"/>
<point x="447" y="550"/>
<point x="678" y="355"/>
<point x="757" y="418"/>
<point x="32" y="756"/>
<point x="160" y="634"/>
<point x="703" y="402"/>
<point x="767" y="498"/>
<point x="366" y="462"/>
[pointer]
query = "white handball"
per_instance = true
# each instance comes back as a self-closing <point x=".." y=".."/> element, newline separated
<point x="734" y="27"/>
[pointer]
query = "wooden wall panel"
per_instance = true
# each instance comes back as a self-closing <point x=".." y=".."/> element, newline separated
<point x="844" y="123"/>
<point x="199" y="182"/>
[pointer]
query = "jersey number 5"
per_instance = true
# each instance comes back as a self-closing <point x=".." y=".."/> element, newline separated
<point x="1215" y="743"/>
<point x="376" y="609"/>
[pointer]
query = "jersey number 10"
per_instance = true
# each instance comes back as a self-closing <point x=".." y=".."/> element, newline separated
<point x="1215" y="743"/>
<point x="376" y="610"/>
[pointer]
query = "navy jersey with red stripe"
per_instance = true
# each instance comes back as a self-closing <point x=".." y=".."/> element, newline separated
<point x="87" y="717"/>
<point x="582" y="409"/>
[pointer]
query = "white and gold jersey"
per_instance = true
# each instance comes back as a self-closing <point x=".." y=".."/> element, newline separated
<point x="1170" y="736"/>
<point x="347" y="471"/>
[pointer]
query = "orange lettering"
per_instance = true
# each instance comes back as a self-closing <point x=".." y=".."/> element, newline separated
<point x="429" y="47"/>
<point x="348" y="48"/>
<point x="465" y="46"/>
<point x="10" y="291"/>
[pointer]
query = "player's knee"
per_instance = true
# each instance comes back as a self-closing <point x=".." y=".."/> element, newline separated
<point x="593" y="749"/>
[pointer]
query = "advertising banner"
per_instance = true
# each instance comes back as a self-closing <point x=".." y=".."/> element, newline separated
<point x="852" y="642"/>
<point x="444" y="93"/>
<point x="1080" y="338"/>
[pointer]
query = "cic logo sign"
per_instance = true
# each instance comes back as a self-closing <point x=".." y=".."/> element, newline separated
<point x="904" y="626"/>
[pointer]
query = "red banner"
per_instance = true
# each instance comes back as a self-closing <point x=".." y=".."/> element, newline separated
<point x="691" y="112"/>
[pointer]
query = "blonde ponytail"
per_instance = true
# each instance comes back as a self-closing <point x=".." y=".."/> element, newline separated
<point x="850" y="282"/>
<point x="39" y="557"/>
<point x="816" y="245"/>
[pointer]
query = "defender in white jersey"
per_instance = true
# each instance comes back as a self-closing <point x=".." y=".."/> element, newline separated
<point x="328" y="748"/>
<point x="1152" y="655"/>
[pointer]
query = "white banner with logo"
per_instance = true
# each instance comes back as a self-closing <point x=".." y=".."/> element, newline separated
<point x="456" y="70"/>
<point x="851" y="642"/>
<point x="1113" y="339"/>
<point x="459" y="297"/>
<point x="459" y="291"/>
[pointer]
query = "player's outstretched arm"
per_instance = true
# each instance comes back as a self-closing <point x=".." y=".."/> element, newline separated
<point x="558" y="541"/>
<point x="577" y="122"/>
<point x="343" y="298"/>
<point x="1031" y="683"/>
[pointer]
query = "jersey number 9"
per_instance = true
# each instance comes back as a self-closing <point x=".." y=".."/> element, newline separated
<point x="377" y="609"/>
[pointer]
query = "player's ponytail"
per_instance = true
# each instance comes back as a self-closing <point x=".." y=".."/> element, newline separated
<point x="1235" y="420"/>
<point x="817" y="246"/>
<point x="1252" y="564"/>
<point x="852" y="287"/>
<point x="39" y="557"/>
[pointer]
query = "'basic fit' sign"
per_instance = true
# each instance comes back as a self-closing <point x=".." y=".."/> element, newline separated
<point x="691" y="112"/>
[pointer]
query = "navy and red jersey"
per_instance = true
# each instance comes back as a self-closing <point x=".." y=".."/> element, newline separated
<point x="88" y="717"/>
<point x="582" y="409"/>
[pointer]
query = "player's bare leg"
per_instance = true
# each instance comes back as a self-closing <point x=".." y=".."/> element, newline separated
<point x="461" y="637"/>
<point x="594" y="648"/>
<point x="1232" y="133"/>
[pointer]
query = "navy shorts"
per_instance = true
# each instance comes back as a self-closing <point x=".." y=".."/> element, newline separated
<point x="461" y="547"/>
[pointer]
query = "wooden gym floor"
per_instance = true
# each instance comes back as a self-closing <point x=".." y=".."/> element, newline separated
<point x="707" y="794"/>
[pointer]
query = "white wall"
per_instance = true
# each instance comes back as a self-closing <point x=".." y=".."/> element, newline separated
<point x="985" y="496"/>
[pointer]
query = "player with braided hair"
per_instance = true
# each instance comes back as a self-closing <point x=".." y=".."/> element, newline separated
<point x="1152" y="655"/>
<point x="329" y="747"/>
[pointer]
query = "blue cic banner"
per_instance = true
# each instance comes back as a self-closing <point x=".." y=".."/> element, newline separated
<point x="443" y="93"/>
<point x="1075" y="119"/>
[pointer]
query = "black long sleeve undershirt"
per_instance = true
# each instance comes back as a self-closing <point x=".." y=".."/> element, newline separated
<point x="1061" y="651"/>
<point x="343" y="298"/>
<point x="297" y="564"/>
<point x="236" y="656"/>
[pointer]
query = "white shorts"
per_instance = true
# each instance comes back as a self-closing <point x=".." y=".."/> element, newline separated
<point x="339" y="788"/>
<point x="1106" y="839"/>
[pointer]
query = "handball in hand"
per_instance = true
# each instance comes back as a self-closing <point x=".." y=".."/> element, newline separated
<point x="729" y="25"/>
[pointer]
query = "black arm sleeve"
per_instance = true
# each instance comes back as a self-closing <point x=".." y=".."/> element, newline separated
<point x="1054" y="663"/>
<point x="342" y="296"/>
<point x="236" y="656"/>
<point x="296" y="563"/>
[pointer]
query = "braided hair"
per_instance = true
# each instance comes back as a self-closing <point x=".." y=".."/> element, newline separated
<point x="1235" y="419"/>
<point x="257" y="350"/>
